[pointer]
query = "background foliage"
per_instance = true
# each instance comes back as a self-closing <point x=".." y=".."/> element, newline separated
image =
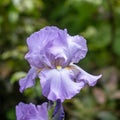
<point x="96" y="20"/>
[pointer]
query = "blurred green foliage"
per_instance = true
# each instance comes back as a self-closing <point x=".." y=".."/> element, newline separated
<point x="96" y="20"/>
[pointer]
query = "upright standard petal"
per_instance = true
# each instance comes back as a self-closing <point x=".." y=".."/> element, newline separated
<point x="29" y="80"/>
<point x="31" y="112"/>
<point x="84" y="77"/>
<point x="58" y="84"/>
<point x="42" y="43"/>
<point x="77" y="48"/>
<point x="52" y="44"/>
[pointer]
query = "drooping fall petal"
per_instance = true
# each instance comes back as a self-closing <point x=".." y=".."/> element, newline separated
<point x="29" y="80"/>
<point x="83" y="76"/>
<point x="58" y="84"/>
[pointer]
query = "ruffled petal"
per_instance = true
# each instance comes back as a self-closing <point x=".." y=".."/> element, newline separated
<point x="29" y="80"/>
<point x="84" y="77"/>
<point x="77" y="48"/>
<point x="37" y="44"/>
<point x="52" y="45"/>
<point x="41" y="39"/>
<point x="31" y="112"/>
<point x="58" y="84"/>
<point x="56" y="53"/>
<point x="45" y="46"/>
<point x="37" y="59"/>
<point x="43" y="111"/>
<point x="57" y="56"/>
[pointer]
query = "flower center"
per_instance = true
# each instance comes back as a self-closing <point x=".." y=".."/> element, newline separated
<point x="59" y="67"/>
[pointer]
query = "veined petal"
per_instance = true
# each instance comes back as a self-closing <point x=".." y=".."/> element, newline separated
<point x="43" y="111"/>
<point x="31" y="112"/>
<point x="56" y="52"/>
<point x="77" y="48"/>
<point x="57" y="56"/>
<point x="58" y="84"/>
<point x="85" y="77"/>
<point x="41" y="46"/>
<point x="38" y="60"/>
<point x="51" y="43"/>
<point x="29" y="80"/>
<point x="34" y="59"/>
<point x="39" y="40"/>
<point x="60" y="38"/>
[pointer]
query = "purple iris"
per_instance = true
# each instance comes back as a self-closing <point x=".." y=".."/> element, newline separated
<point x="31" y="112"/>
<point x="52" y="54"/>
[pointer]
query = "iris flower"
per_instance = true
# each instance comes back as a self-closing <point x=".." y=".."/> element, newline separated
<point x="31" y="112"/>
<point x="53" y="55"/>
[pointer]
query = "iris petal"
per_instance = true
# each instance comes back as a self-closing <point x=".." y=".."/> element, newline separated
<point x="42" y="43"/>
<point x="58" y="84"/>
<point x="31" y="112"/>
<point x="29" y="80"/>
<point x="38" y="60"/>
<point x="65" y="83"/>
<point x="85" y="77"/>
<point x="77" y="48"/>
<point x="52" y="44"/>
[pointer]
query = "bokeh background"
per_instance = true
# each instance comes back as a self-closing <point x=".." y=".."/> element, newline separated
<point x="97" y="20"/>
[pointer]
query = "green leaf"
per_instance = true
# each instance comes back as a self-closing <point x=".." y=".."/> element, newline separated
<point x="16" y="76"/>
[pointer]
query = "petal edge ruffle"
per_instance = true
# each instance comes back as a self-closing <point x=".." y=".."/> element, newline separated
<point x="85" y="77"/>
<point x="58" y="84"/>
<point x="29" y="80"/>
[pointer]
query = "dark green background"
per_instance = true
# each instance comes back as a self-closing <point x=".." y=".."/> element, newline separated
<point x="97" y="20"/>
